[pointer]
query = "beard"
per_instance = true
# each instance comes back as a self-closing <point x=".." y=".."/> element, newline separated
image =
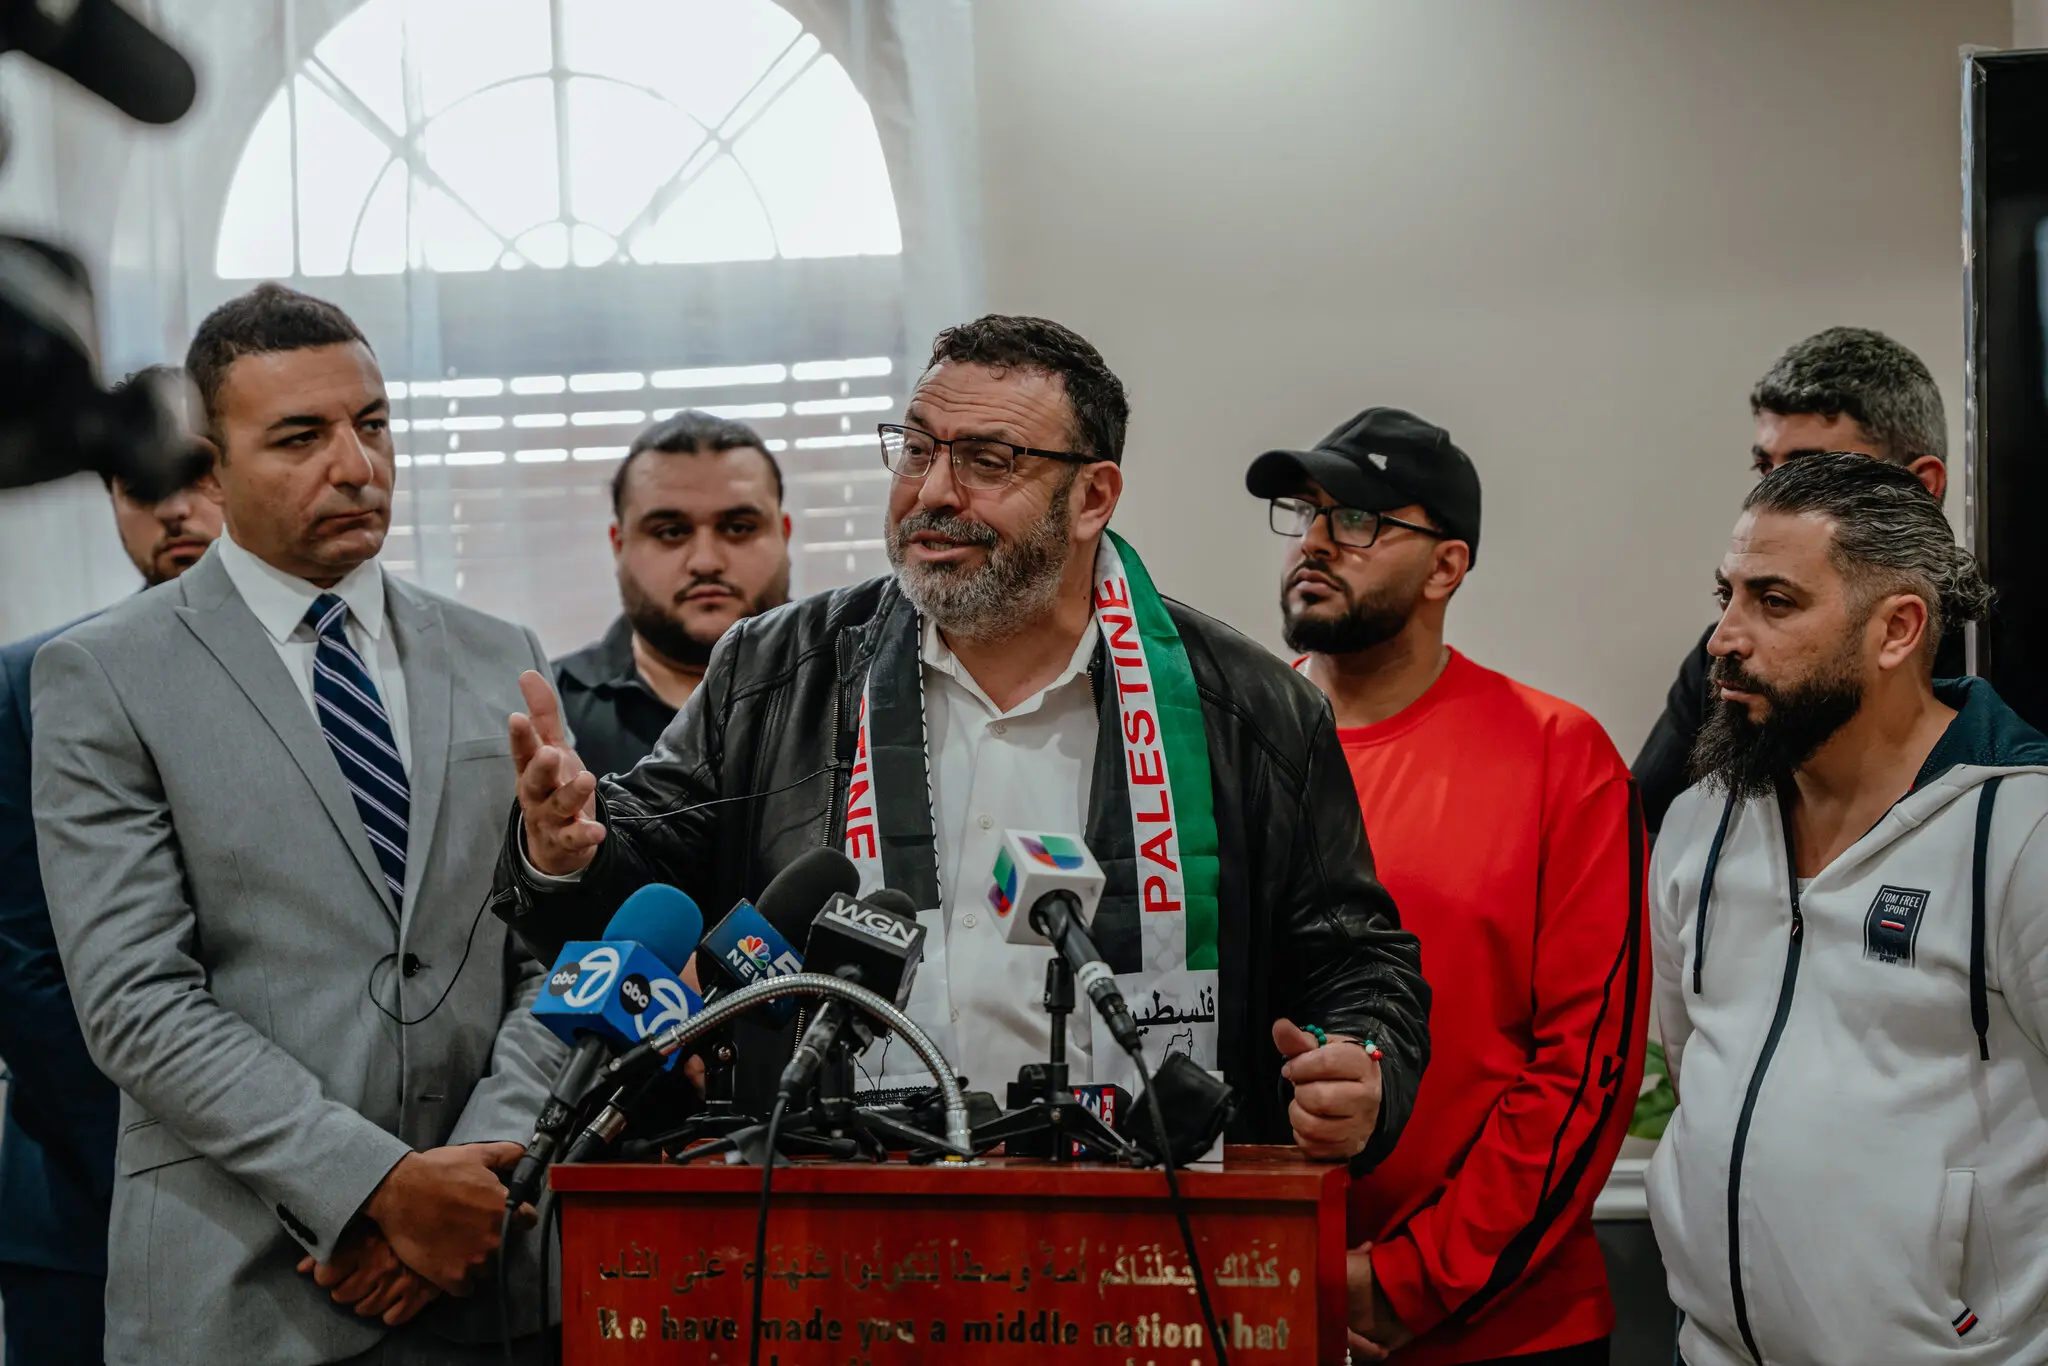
<point x="1369" y="619"/>
<point x="1746" y="758"/>
<point x="1016" y="583"/>
<point x="672" y="639"/>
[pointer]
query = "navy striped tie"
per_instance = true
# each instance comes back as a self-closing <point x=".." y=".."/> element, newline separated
<point x="358" y="730"/>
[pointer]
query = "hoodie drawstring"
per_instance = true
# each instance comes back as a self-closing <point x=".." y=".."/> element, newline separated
<point x="1699" y="929"/>
<point x="1980" y="997"/>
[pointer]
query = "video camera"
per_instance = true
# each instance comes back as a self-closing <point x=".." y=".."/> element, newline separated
<point x="55" y="418"/>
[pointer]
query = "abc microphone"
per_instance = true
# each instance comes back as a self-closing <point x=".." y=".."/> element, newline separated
<point x="875" y="943"/>
<point x="1043" y="890"/>
<point x="604" y="996"/>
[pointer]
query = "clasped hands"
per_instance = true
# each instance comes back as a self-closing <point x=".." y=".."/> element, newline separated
<point x="436" y="1217"/>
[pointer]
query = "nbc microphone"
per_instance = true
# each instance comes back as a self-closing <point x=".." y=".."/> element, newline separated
<point x="766" y="938"/>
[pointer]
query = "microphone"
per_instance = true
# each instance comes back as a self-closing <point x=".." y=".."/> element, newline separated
<point x="759" y="940"/>
<point x="1044" y="889"/>
<point x="607" y="995"/>
<point x="875" y="943"/>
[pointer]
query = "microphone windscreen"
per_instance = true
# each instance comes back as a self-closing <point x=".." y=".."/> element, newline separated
<point x="791" y="899"/>
<point x="661" y="919"/>
<point x="889" y="899"/>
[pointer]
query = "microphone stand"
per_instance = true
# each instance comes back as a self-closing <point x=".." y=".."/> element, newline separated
<point x="1054" y="1111"/>
<point x="721" y="1116"/>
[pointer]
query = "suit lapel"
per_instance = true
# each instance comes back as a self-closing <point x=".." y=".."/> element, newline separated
<point x="216" y="614"/>
<point x="429" y="701"/>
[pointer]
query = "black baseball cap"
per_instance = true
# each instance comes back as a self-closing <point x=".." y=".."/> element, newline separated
<point x="1380" y="460"/>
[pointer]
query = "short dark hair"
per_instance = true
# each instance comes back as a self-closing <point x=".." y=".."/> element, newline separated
<point x="1890" y="536"/>
<point x="1864" y="375"/>
<point x="268" y="319"/>
<point x="149" y="376"/>
<point x="692" y="432"/>
<point x="1005" y="341"/>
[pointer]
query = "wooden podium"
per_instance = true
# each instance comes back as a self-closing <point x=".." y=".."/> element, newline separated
<point x="1004" y="1261"/>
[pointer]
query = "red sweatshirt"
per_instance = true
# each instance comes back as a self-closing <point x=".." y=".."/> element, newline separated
<point x="1506" y="827"/>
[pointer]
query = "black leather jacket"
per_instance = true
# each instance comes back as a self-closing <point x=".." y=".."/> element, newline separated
<point x="1306" y="931"/>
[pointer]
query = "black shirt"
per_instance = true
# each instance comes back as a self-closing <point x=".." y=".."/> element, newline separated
<point x="1660" y="768"/>
<point x="614" y="715"/>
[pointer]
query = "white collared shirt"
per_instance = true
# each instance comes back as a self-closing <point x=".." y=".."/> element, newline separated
<point x="280" y="602"/>
<point x="1029" y="768"/>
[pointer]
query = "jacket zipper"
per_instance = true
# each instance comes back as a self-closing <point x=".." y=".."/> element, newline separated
<point x="1756" y="1084"/>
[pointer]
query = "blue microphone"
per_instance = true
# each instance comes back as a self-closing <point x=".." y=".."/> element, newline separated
<point x="603" y="997"/>
<point x="622" y="988"/>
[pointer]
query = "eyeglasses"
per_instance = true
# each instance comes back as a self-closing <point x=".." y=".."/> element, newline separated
<point x="978" y="463"/>
<point x="1353" y="527"/>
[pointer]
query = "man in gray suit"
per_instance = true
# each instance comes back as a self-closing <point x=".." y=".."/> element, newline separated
<point x="268" y="801"/>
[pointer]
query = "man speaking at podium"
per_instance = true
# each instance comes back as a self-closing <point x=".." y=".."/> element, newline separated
<point x="987" y="684"/>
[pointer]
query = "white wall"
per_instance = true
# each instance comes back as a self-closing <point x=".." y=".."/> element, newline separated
<point x="1572" y="231"/>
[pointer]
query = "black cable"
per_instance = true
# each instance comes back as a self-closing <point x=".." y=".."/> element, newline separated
<point x="468" y="945"/>
<point x="1180" y="1211"/>
<point x="505" y="1286"/>
<point x="642" y="817"/>
<point x="551" y="1213"/>
<point x="761" y="1227"/>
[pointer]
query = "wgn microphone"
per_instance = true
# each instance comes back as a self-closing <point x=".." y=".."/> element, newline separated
<point x="1043" y="890"/>
<point x="765" y="938"/>
<point x="876" y="943"/>
<point x="603" y="997"/>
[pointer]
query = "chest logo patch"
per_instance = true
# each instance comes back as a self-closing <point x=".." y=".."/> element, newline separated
<point x="1893" y="924"/>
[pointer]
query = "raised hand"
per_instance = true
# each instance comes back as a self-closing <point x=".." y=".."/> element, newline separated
<point x="1336" y="1103"/>
<point x="367" y="1276"/>
<point x="442" y="1210"/>
<point x="557" y="795"/>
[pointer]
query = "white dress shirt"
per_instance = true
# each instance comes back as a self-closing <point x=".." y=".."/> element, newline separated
<point x="1028" y="768"/>
<point x="280" y="602"/>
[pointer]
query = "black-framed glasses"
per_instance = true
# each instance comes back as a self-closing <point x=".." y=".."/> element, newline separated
<point x="978" y="462"/>
<point x="1353" y="527"/>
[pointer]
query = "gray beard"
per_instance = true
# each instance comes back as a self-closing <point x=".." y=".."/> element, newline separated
<point x="1018" y="583"/>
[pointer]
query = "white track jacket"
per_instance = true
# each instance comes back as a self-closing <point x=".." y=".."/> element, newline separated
<point x="1857" y="1171"/>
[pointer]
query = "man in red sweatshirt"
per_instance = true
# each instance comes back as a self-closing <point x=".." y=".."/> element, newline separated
<point x="1507" y="828"/>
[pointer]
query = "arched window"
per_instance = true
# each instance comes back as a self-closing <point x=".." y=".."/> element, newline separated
<point x="558" y="220"/>
<point x="499" y="134"/>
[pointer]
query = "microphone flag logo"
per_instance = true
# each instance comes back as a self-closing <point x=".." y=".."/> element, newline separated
<point x="1002" y="892"/>
<point x="756" y="948"/>
<point x="1056" y="851"/>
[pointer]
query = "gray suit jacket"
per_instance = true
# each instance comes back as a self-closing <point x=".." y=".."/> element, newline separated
<point x="229" y="940"/>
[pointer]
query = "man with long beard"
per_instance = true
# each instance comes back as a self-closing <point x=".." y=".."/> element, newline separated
<point x="1005" y="676"/>
<point x="699" y="539"/>
<point x="1852" y="955"/>
<point x="1507" y="831"/>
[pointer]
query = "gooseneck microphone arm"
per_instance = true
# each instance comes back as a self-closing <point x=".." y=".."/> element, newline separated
<point x="959" y="1133"/>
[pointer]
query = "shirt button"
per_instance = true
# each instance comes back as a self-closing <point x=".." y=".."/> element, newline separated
<point x="987" y="823"/>
<point x="999" y="728"/>
<point x="968" y="920"/>
<point x="956" y="1014"/>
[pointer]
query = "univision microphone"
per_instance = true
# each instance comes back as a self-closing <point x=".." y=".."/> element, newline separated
<point x="1044" y="889"/>
<point x="876" y="943"/>
<point x="766" y="938"/>
<point x="603" y="997"/>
